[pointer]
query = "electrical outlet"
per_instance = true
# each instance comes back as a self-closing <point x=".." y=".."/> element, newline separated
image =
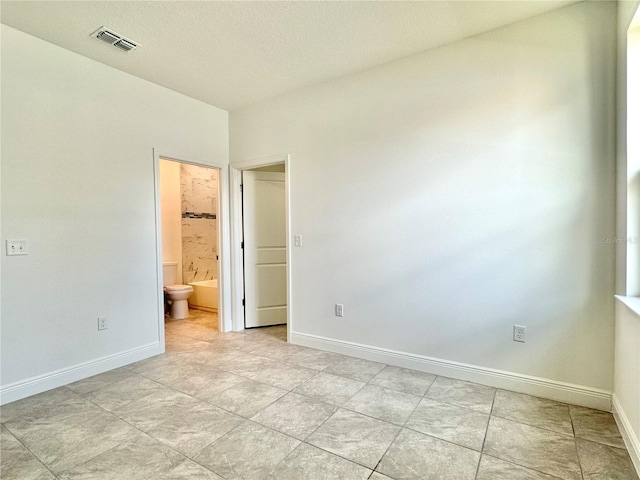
<point x="17" y="247"/>
<point x="102" y="323"/>
<point x="339" y="310"/>
<point x="519" y="333"/>
<point x="297" y="240"/>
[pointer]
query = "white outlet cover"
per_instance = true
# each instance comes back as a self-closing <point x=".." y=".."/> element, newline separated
<point x="17" y="247"/>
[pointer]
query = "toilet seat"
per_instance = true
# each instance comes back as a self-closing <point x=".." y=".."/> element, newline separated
<point x="178" y="288"/>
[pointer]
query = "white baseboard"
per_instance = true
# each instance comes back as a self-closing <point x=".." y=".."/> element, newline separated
<point x="31" y="386"/>
<point x="630" y="437"/>
<point x="540" y="387"/>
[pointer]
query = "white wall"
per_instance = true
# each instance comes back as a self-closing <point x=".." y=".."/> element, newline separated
<point x="171" y="211"/>
<point x="448" y="196"/>
<point x="627" y="326"/>
<point x="78" y="184"/>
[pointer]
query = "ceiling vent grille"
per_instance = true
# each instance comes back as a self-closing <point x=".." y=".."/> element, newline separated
<point x="115" y="39"/>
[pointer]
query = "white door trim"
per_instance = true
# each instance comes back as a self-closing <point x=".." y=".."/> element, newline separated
<point x="237" y="272"/>
<point x="224" y="270"/>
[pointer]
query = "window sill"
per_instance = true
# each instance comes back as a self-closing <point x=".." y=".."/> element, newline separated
<point x="632" y="303"/>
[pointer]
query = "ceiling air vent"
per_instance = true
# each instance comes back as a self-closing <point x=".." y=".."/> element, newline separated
<point x="115" y="39"/>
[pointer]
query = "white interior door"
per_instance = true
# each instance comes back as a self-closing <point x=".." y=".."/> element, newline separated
<point x="265" y="250"/>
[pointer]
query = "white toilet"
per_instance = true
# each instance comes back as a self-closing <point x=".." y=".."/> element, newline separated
<point x="177" y="294"/>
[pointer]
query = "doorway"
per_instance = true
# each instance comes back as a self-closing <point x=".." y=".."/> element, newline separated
<point x="270" y="258"/>
<point x="264" y="246"/>
<point x="190" y="239"/>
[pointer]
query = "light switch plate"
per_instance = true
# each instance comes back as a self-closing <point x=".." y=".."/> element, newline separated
<point x="17" y="247"/>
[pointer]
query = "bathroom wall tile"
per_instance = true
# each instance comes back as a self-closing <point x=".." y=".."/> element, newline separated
<point x="414" y="456"/>
<point x="199" y="235"/>
<point x="328" y="388"/>
<point x="404" y="380"/>
<point x="190" y="431"/>
<point x="27" y="405"/>
<point x="535" y="411"/>
<point x="249" y="452"/>
<point x="458" y="425"/>
<point x="465" y="394"/>
<point x="295" y="415"/>
<point x="596" y="426"/>
<point x="311" y="463"/>
<point x="355" y="437"/>
<point x="383" y="404"/>
<point x="535" y="448"/>
<point x="602" y="462"/>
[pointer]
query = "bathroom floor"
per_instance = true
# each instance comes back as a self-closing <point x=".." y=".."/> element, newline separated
<point x="250" y="406"/>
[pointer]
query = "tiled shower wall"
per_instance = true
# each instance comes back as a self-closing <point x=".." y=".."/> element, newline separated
<point x="199" y="189"/>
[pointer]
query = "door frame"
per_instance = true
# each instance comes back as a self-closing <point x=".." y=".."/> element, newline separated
<point x="224" y="297"/>
<point x="237" y="267"/>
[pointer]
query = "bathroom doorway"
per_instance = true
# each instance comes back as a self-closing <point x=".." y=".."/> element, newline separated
<point x="189" y="231"/>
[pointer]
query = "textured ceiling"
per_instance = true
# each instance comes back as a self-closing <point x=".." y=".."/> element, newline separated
<point x="231" y="54"/>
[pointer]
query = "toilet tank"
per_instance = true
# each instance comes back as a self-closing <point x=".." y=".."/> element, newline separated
<point x="169" y="273"/>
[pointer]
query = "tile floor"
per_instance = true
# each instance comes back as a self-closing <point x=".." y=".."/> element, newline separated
<point x="250" y="406"/>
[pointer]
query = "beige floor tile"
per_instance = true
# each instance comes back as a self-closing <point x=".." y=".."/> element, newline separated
<point x="17" y="462"/>
<point x="404" y="380"/>
<point x="328" y="388"/>
<point x="602" y="462"/>
<point x="311" y="463"/>
<point x="156" y="408"/>
<point x="190" y="431"/>
<point x="495" y="469"/>
<point x="190" y="470"/>
<point x="247" y="364"/>
<point x="458" y="425"/>
<point x="465" y="394"/>
<point x="123" y="392"/>
<point x="27" y="405"/>
<point x="90" y="384"/>
<point x="295" y="415"/>
<point x="535" y="411"/>
<point x="596" y="426"/>
<point x="383" y="404"/>
<point x="355" y="368"/>
<point x="532" y="447"/>
<point x="355" y="437"/>
<point x="140" y="459"/>
<point x="173" y="373"/>
<point x="207" y="384"/>
<point x="63" y="450"/>
<point x="414" y="456"/>
<point x="379" y="476"/>
<point x="53" y="419"/>
<point x="283" y="376"/>
<point x="249" y="452"/>
<point x="247" y="398"/>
